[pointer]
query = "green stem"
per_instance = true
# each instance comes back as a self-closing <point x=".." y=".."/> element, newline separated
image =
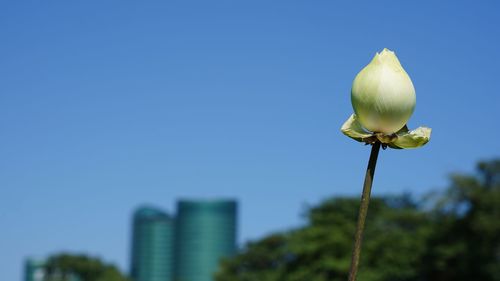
<point x="363" y="210"/>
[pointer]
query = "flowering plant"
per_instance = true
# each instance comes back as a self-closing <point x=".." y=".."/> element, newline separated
<point x="383" y="99"/>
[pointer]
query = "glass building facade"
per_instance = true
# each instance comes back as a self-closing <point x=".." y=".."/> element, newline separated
<point x="152" y="253"/>
<point x="34" y="270"/>
<point x="205" y="232"/>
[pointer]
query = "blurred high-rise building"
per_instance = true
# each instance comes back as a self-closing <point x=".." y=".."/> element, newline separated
<point x="152" y="255"/>
<point x="188" y="247"/>
<point x="205" y="232"/>
<point x="34" y="270"/>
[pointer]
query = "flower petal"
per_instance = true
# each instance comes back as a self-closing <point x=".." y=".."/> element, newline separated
<point x="353" y="129"/>
<point x="411" y="139"/>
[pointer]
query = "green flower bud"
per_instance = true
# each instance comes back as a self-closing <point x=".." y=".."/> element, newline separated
<point x="382" y="95"/>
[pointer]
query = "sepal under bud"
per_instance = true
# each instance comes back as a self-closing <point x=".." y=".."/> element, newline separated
<point x="403" y="139"/>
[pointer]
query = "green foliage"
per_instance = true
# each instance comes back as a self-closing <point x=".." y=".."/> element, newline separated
<point x="66" y="267"/>
<point x="457" y="239"/>
<point x="465" y="244"/>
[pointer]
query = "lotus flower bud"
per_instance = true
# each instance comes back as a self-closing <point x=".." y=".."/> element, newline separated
<point x="382" y="95"/>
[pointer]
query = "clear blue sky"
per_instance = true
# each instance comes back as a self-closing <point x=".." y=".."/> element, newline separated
<point x="105" y="105"/>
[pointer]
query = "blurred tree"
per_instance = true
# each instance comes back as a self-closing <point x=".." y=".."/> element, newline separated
<point x="466" y="242"/>
<point x="66" y="267"/>
<point x="395" y="239"/>
<point x="264" y="260"/>
<point x="456" y="239"/>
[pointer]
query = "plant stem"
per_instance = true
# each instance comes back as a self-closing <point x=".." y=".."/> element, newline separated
<point x="363" y="210"/>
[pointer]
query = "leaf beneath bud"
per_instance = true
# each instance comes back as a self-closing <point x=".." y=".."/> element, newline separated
<point x="412" y="139"/>
<point x="403" y="139"/>
<point x="353" y="129"/>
